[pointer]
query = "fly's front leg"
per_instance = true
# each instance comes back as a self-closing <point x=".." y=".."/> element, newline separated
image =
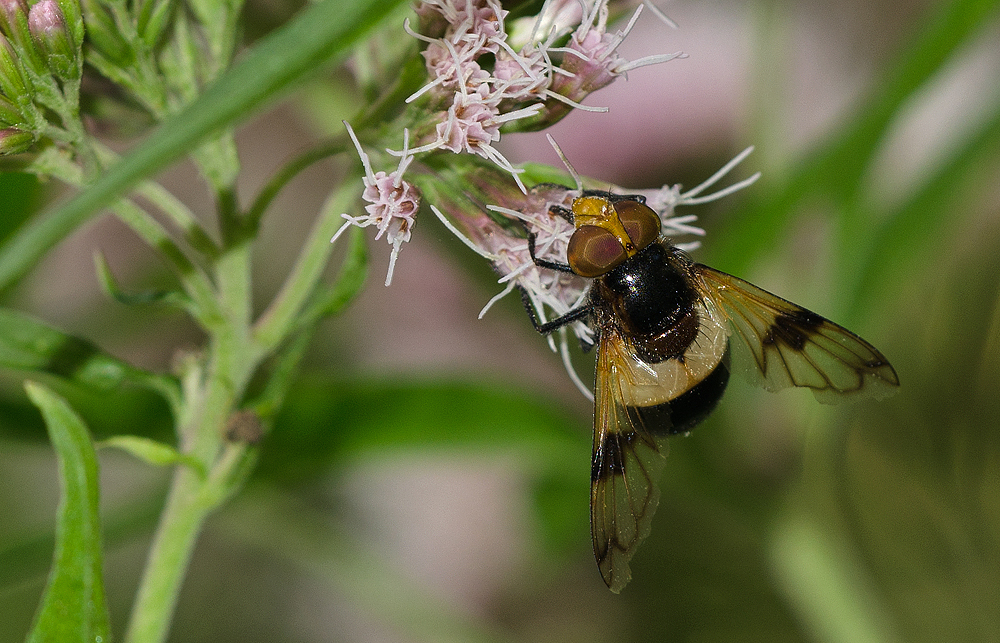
<point x="554" y="210"/>
<point x="578" y="313"/>
<point x="545" y="263"/>
<point x="561" y="211"/>
<point x="615" y="198"/>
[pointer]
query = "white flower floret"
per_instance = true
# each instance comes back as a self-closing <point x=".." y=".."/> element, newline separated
<point x="393" y="202"/>
<point x="668" y="197"/>
<point x="556" y="18"/>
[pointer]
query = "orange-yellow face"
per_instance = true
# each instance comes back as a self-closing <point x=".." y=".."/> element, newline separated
<point x="607" y="233"/>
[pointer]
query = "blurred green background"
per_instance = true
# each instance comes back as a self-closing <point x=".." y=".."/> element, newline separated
<point x="428" y="478"/>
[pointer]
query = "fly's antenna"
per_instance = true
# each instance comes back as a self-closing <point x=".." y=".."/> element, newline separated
<point x="565" y="161"/>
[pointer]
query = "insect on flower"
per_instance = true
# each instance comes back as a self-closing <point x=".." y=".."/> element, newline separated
<point x="664" y="325"/>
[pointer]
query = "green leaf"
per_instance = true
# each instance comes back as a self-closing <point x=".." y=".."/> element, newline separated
<point x="324" y="422"/>
<point x="25" y="559"/>
<point x="319" y="33"/>
<point x="29" y="344"/>
<point x="152" y="452"/>
<point x="18" y="194"/>
<point x="835" y="169"/>
<point x="535" y="173"/>
<point x="73" y="607"/>
<point x="911" y="230"/>
<point x="110" y="286"/>
<point x="332" y="300"/>
<point x="827" y="585"/>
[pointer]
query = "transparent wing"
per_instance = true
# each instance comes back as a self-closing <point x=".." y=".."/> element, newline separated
<point x="792" y="346"/>
<point x="639" y="404"/>
<point x="625" y="466"/>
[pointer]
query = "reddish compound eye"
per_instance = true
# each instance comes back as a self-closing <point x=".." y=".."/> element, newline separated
<point x="609" y="232"/>
<point x="640" y="221"/>
<point x="593" y="251"/>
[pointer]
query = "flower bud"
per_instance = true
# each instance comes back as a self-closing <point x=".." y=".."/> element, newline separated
<point x="10" y="114"/>
<point x="74" y="22"/>
<point x="433" y="23"/>
<point x="14" y="82"/>
<point x="48" y="27"/>
<point x="14" y="141"/>
<point x="14" y="25"/>
<point x="9" y="10"/>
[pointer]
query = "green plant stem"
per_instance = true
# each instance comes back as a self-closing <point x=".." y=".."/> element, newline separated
<point x="175" y="538"/>
<point x="208" y="404"/>
<point x="176" y="211"/>
<point x="330" y="301"/>
<point x="196" y="284"/>
<point x="191" y="499"/>
<point x="279" y="319"/>
<point x="287" y="173"/>
<point x="325" y="301"/>
<point x="181" y="216"/>
<point x="192" y="496"/>
<point x="232" y="274"/>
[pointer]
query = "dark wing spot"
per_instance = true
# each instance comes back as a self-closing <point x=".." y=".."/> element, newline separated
<point x="792" y="329"/>
<point x="610" y="459"/>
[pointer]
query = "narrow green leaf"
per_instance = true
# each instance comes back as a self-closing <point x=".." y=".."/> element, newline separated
<point x="535" y="173"/>
<point x="324" y="422"/>
<point x="827" y="586"/>
<point x="30" y="344"/>
<point x="24" y="560"/>
<point x="262" y="202"/>
<point x="110" y="286"/>
<point x="287" y="56"/>
<point x="73" y="606"/>
<point x="152" y="452"/>
<point x="836" y="168"/>
<point x="912" y="229"/>
<point x="18" y="195"/>
<point x="350" y="280"/>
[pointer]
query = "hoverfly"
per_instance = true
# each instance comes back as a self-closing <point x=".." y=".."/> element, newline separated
<point x="664" y="325"/>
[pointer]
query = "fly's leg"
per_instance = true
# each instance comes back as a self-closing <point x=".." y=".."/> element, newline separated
<point x="545" y="263"/>
<point x="578" y="313"/>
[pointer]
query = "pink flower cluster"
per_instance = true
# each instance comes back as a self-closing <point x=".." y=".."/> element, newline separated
<point x="393" y="202"/>
<point x="483" y="78"/>
<point x="534" y="83"/>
